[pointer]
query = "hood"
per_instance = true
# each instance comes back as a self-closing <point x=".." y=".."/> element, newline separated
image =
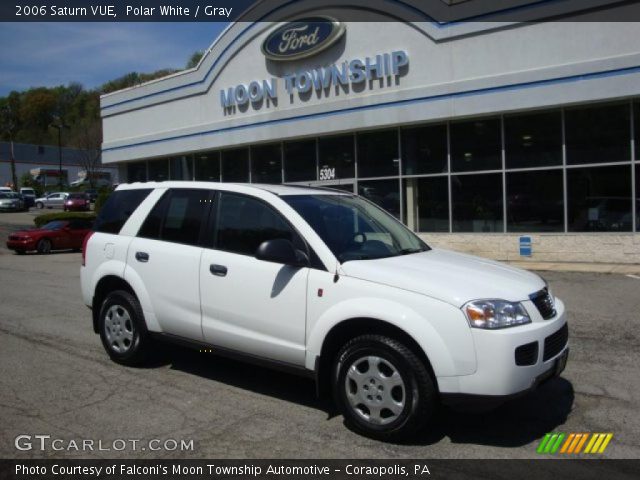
<point x="30" y="231"/>
<point x="455" y="278"/>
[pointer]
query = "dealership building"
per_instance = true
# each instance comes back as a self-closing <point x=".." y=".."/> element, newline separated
<point x="481" y="136"/>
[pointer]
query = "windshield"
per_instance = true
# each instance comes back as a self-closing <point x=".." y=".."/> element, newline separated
<point x="56" y="225"/>
<point x="355" y="229"/>
<point x="76" y="196"/>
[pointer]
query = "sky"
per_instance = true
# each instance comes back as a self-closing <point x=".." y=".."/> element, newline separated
<point x="51" y="54"/>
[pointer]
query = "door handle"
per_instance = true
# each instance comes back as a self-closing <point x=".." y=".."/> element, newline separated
<point x="218" y="270"/>
<point x="142" y="257"/>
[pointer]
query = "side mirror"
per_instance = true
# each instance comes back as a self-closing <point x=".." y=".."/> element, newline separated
<point x="280" y="250"/>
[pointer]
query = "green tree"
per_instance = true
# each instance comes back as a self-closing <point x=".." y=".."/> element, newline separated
<point x="194" y="59"/>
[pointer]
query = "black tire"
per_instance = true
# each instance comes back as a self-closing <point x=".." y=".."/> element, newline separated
<point x="44" y="246"/>
<point x="20" y="252"/>
<point x="417" y="395"/>
<point x="40" y="205"/>
<point x="138" y="351"/>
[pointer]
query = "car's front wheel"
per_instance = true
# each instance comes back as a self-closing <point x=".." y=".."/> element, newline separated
<point x="383" y="388"/>
<point x="40" y="205"/>
<point x="122" y="329"/>
<point x="44" y="246"/>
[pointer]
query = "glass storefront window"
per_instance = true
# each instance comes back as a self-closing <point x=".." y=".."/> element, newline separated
<point x="424" y="149"/>
<point x="533" y="140"/>
<point x="378" y="154"/>
<point x="426" y="204"/>
<point x="181" y="168"/>
<point x="535" y="201"/>
<point x="477" y="203"/>
<point x="207" y="167"/>
<point x="235" y="165"/>
<point x="300" y="161"/>
<point x="598" y="134"/>
<point x="385" y="193"/>
<point x="336" y="157"/>
<point x="136" y="172"/>
<point x="159" y="170"/>
<point x="476" y="145"/>
<point x="599" y="199"/>
<point x="266" y="164"/>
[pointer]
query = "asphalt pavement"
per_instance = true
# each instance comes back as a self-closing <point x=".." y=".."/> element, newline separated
<point x="55" y="379"/>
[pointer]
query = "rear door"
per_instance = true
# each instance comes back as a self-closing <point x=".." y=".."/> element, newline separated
<point x="250" y="305"/>
<point x="165" y="255"/>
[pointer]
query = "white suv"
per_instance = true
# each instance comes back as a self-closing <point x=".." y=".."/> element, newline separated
<point x="322" y="283"/>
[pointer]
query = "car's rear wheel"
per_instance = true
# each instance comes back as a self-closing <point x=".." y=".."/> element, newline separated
<point x="44" y="246"/>
<point x="383" y="388"/>
<point x="122" y="329"/>
<point x="40" y="205"/>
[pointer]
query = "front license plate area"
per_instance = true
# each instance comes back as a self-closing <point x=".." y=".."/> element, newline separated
<point x="561" y="363"/>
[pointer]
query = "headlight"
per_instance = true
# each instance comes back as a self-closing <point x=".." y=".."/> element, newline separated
<point x="493" y="314"/>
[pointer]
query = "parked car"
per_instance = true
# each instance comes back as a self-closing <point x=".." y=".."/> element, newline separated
<point x="5" y="190"/>
<point x="12" y="202"/>
<point x="93" y="194"/>
<point x="52" y="200"/>
<point x="55" y="235"/>
<point x="321" y="283"/>
<point x="77" y="202"/>
<point x="29" y="195"/>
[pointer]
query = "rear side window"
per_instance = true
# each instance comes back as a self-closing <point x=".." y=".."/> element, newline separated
<point x="178" y="216"/>
<point x="118" y="208"/>
<point x="245" y="222"/>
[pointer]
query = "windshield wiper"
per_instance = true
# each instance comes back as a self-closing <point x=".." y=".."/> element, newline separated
<point x="408" y="251"/>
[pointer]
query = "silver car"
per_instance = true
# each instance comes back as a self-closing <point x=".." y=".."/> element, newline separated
<point x="11" y="201"/>
<point x="52" y="200"/>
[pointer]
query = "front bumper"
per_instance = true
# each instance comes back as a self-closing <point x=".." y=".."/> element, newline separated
<point x="497" y="375"/>
<point x="22" y="245"/>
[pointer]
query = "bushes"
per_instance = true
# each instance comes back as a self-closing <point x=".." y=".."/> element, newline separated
<point x="103" y="195"/>
<point x="49" y="217"/>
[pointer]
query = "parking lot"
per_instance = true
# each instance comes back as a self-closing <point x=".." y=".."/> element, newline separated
<point x="57" y="380"/>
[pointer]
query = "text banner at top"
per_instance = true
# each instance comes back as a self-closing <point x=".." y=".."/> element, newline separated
<point x="441" y="12"/>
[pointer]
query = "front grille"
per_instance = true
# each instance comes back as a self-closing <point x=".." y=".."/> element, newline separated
<point x="527" y="354"/>
<point x="555" y="342"/>
<point x="544" y="303"/>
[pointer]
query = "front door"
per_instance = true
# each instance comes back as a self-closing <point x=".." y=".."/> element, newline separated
<point x="249" y="305"/>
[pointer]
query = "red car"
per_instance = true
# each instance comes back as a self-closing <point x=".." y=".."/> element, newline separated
<point x="77" y="202"/>
<point x="55" y="235"/>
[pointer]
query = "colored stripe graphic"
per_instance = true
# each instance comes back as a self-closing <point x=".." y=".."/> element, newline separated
<point x="574" y="442"/>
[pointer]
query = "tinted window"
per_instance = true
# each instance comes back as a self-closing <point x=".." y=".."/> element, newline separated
<point x="56" y="225"/>
<point x="477" y="203"/>
<point x="337" y="153"/>
<point x="266" y="164"/>
<point x="533" y="140"/>
<point x="378" y="154"/>
<point x="158" y="170"/>
<point x="476" y="145"/>
<point x="235" y="165"/>
<point x="77" y="196"/>
<point x="534" y="201"/>
<point x="177" y="217"/>
<point x="427" y="203"/>
<point x="208" y="167"/>
<point x="118" y="208"/>
<point x="137" y="172"/>
<point x="424" y="149"/>
<point x="245" y="222"/>
<point x="598" y="134"/>
<point x="300" y="161"/>
<point x="599" y="199"/>
<point x="385" y="193"/>
<point x="80" y="224"/>
<point x="181" y="168"/>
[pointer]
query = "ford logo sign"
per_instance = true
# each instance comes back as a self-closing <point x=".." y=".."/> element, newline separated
<point x="302" y="38"/>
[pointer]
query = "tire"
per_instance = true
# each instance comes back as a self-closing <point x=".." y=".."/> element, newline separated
<point x="40" y="205"/>
<point x="403" y="393"/>
<point x="44" y="246"/>
<point x="123" y="330"/>
<point x="20" y="252"/>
